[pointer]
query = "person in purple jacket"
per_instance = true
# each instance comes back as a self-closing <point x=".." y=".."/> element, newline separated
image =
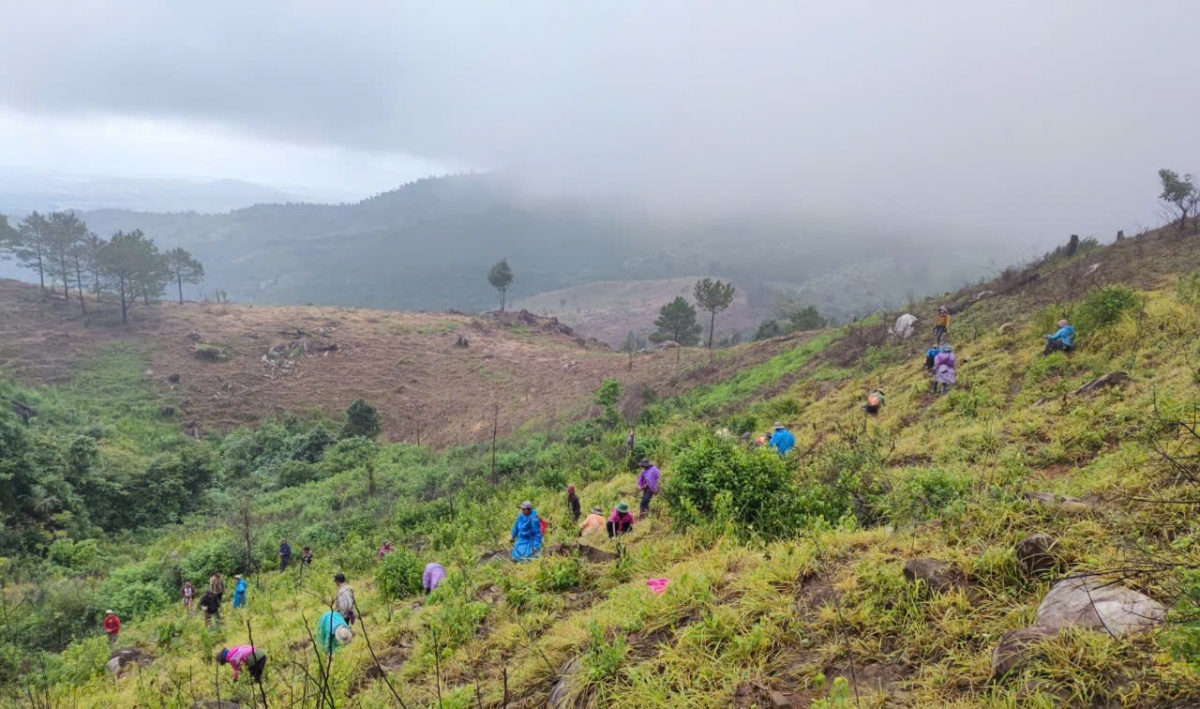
<point x="648" y="484"/>
<point x="433" y="576"/>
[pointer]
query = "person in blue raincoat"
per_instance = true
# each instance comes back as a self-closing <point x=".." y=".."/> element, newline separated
<point x="782" y="439"/>
<point x="526" y="533"/>
<point x="239" y="592"/>
<point x="1061" y="341"/>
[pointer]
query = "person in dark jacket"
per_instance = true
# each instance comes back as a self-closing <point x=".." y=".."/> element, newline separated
<point x="210" y="603"/>
<point x="285" y="555"/>
<point x="573" y="503"/>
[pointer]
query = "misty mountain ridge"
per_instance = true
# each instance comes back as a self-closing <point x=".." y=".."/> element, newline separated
<point x="428" y="246"/>
<point x="23" y="193"/>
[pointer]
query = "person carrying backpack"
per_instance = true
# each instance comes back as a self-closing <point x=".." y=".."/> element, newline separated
<point x="945" y="370"/>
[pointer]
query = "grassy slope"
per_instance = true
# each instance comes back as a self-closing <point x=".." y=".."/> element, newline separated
<point x="791" y="615"/>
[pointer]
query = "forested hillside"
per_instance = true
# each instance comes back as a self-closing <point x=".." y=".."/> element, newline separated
<point x="429" y="244"/>
<point x="886" y="560"/>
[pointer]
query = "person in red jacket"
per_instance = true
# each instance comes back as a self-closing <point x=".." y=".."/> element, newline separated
<point x="112" y="626"/>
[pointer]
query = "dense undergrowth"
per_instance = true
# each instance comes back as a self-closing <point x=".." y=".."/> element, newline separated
<point x="784" y="574"/>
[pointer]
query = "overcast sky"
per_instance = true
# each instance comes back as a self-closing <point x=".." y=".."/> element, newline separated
<point x="1021" y="119"/>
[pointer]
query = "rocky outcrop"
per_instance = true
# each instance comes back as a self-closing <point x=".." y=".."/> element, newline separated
<point x="125" y="658"/>
<point x="1108" y="380"/>
<point x="904" y="326"/>
<point x="1090" y="602"/>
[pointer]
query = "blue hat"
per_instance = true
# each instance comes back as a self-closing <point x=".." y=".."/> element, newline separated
<point x="224" y="653"/>
<point x="947" y="348"/>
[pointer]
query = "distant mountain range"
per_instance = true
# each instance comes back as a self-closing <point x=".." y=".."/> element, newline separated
<point x="428" y="245"/>
<point x="21" y="193"/>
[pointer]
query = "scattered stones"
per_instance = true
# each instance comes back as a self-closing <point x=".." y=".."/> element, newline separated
<point x="757" y="694"/>
<point x="583" y="551"/>
<point x="1014" y="648"/>
<point x="1090" y="602"/>
<point x="173" y="378"/>
<point x="494" y="555"/>
<point x="1035" y="555"/>
<point x="939" y="576"/>
<point x="1108" y="380"/>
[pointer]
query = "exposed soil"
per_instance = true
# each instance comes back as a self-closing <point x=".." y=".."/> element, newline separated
<point x="412" y="366"/>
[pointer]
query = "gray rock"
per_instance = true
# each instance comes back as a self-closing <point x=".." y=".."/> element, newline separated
<point x="123" y="658"/>
<point x="1035" y="555"/>
<point x="1108" y="380"/>
<point x="1014" y="648"/>
<point x="1090" y="602"/>
<point x="1005" y="328"/>
<point x="939" y="576"/>
<point x="560" y="693"/>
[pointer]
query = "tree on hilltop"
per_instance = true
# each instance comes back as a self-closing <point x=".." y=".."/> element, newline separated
<point x="713" y="296"/>
<point x="128" y="261"/>
<point x="184" y="268"/>
<point x="1179" y="195"/>
<point x="362" y="419"/>
<point x="29" y="245"/>
<point x="501" y="277"/>
<point x="677" y="322"/>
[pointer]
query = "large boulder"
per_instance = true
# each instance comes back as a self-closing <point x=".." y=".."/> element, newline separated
<point x="1035" y="555"/>
<point x="1108" y="380"/>
<point x="125" y="658"/>
<point x="1014" y="648"/>
<point x="939" y="576"/>
<point x="904" y="326"/>
<point x="1090" y="602"/>
<point x="561" y="693"/>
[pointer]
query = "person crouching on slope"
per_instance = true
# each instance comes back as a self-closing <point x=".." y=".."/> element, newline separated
<point x="526" y="533"/>
<point x="874" y="402"/>
<point x="620" y="521"/>
<point x="782" y="439"/>
<point x="1061" y="341"/>
<point x="255" y="661"/>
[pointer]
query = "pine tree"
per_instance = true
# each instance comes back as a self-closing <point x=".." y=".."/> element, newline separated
<point x="501" y="277"/>
<point x="677" y="322"/>
<point x="184" y="268"/>
<point x="713" y="296"/>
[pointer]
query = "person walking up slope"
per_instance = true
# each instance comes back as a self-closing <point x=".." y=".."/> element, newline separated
<point x="343" y="598"/>
<point x="945" y="370"/>
<point x="648" y="484"/>
<point x="941" y="325"/>
<point x="573" y="504"/>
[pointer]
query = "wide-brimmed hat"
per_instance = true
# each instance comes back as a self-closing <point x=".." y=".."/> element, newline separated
<point x="645" y="462"/>
<point x="778" y="425"/>
<point x="526" y="505"/>
<point x="109" y="612"/>
<point x="596" y="511"/>
<point x="1063" y="323"/>
<point x="622" y="507"/>
<point x="237" y="576"/>
<point x="343" y="634"/>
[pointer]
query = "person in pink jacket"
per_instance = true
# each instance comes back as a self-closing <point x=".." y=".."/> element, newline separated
<point x="247" y="656"/>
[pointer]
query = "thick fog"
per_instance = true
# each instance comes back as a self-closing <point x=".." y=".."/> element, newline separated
<point x="1016" y="120"/>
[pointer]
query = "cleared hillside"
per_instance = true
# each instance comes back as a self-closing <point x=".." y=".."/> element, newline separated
<point x="409" y="365"/>
<point x="608" y="310"/>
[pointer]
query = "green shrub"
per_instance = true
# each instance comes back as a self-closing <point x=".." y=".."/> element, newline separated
<point x="135" y="600"/>
<point x="921" y="494"/>
<point x="398" y="575"/>
<point x="310" y="446"/>
<point x="557" y="574"/>
<point x="1188" y="288"/>
<point x="763" y="497"/>
<point x="1104" y="306"/>
<point x="292" y="473"/>
<point x="362" y="421"/>
<point x="348" y="454"/>
<point x="604" y="657"/>
<point x="80" y="662"/>
<point x="220" y="553"/>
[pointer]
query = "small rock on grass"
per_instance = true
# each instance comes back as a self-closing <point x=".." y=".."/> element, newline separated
<point x="1035" y="555"/>
<point x="939" y="576"/>
<point x="1014" y="648"/>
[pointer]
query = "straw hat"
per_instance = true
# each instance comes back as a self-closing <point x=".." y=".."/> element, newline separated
<point x="526" y="505"/>
<point x="343" y="634"/>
